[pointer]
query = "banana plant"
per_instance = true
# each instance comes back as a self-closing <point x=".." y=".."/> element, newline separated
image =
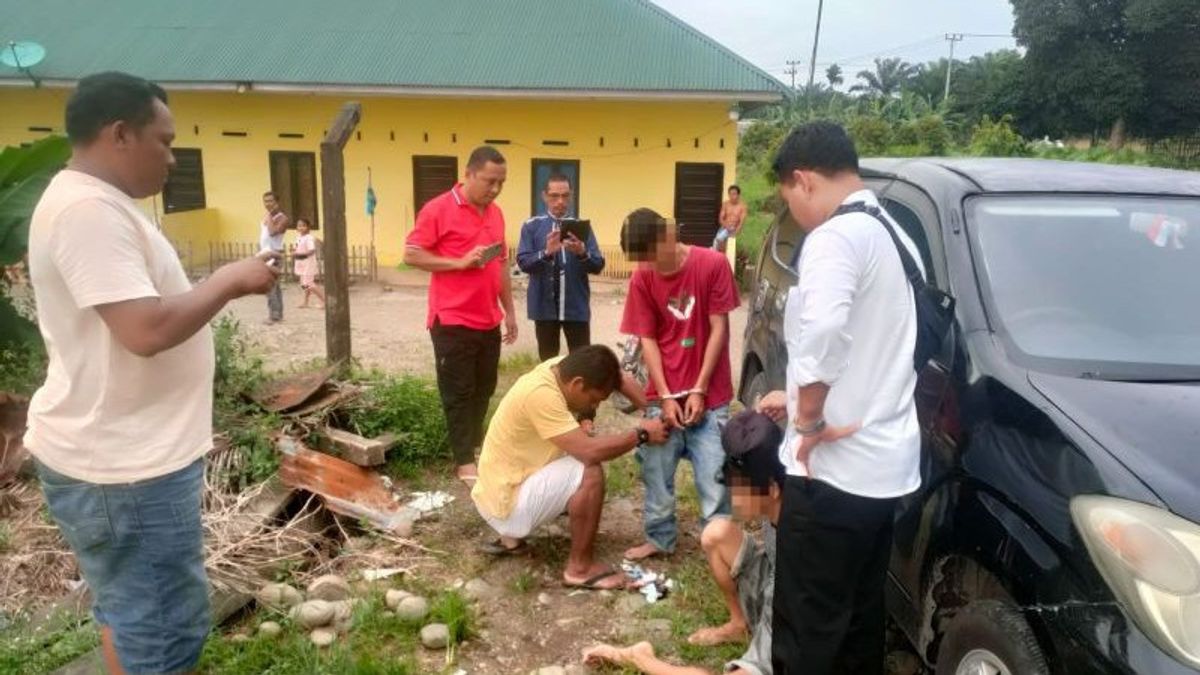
<point x="25" y="171"/>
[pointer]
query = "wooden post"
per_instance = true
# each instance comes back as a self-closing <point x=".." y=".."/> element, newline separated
<point x="337" y="277"/>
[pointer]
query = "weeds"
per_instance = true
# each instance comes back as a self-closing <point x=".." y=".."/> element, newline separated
<point x="451" y="609"/>
<point x="22" y="368"/>
<point x="408" y="407"/>
<point x="5" y="537"/>
<point x="524" y="582"/>
<point x="247" y="426"/>
<point x="23" y="650"/>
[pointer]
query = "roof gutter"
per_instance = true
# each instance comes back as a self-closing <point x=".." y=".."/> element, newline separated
<point x="441" y="92"/>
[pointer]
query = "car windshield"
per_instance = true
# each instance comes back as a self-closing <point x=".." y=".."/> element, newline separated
<point x="1108" y="283"/>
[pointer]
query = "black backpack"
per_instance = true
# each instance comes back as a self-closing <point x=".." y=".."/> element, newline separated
<point x="935" y="309"/>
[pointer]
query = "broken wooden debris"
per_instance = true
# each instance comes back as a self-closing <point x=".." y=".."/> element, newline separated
<point x="286" y="393"/>
<point x="346" y="488"/>
<point x="359" y="450"/>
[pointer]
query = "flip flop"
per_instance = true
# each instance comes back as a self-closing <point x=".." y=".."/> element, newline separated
<point x="592" y="583"/>
<point x="497" y="548"/>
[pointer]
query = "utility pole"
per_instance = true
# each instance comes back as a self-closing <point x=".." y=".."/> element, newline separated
<point x="812" y="65"/>
<point x="792" y="70"/>
<point x="952" y="38"/>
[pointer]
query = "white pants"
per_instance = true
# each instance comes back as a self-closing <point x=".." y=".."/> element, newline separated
<point x="542" y="498"/>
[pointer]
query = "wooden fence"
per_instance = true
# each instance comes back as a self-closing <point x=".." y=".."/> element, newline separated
<point x="364" y="264"/>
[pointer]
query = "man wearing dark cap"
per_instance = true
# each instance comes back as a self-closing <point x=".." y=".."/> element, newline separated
<point x="743" y="568"/>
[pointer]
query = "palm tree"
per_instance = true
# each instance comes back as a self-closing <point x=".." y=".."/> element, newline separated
<point x="888" y="78"/>
<point x="834" y="74"/>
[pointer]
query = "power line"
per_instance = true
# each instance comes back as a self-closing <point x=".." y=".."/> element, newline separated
<point x="791" y="70"/>
<point x="952" y="38"/>
<point x="812" y="66"/>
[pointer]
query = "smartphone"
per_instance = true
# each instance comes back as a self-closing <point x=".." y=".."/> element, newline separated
<point x="581" y="229"/>
<point x="492" y="252"/>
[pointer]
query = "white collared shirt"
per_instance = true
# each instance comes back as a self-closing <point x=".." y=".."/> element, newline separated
<point x="850" y="322"/>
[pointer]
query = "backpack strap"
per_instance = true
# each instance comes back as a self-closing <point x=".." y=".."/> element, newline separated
<point x="910" y="266"/>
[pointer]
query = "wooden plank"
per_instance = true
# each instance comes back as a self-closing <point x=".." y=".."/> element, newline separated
<point x="359" y="450"/>
<point x="337" y="278"/>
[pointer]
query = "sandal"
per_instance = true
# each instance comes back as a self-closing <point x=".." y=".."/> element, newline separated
<point x="496" y="547"/>
<point x="593" y="583"/>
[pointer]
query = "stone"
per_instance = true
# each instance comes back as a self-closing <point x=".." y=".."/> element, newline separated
<point x="279" y="596"/>
<point x="394" y="596"/>
<point x="343" y="611"/>
<point x="435" y="636"/>
<point x="239" y="637"/>
<point x="630" y="603"/>
<point x="544" y="599"/>
<point x="413" y="608"/>
<point x="549" y="670"/>
<point x="329" y="587"/>
<point x="403" y="527"/>
<point x="388" y="614"/>
<point x="322" y="637"/>
<point x="315" y="613"/>
<point x="269" y="629"/>
<point x="578" y="669"/>
<point x="480" y="590"/>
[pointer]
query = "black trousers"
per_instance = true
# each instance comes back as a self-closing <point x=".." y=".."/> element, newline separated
<point x="467" y="364"/>
<point x="833" y="551"/>
<point x="579" y="334"/>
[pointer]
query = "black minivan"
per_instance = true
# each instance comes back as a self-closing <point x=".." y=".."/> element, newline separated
<point x="1057" y="528"/>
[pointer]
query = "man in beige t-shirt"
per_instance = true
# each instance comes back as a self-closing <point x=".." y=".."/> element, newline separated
<point x="121" y="425"/>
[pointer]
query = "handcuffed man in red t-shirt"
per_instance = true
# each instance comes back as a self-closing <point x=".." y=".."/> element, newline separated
<point x="459" y="237"/>
<point x="678" y="305"/>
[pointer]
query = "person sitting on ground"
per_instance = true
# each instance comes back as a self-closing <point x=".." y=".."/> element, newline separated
<point x="743" y="569"/>
<point x="537" y="460"/>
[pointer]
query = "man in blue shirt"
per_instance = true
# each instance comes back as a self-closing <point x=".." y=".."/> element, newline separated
<point x="559" y="295"/>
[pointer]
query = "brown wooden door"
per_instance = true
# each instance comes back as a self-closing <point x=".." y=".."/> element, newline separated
<point x="698" y="189"/>
<point x="432" y="175"/>
<point x="294" y="182"/>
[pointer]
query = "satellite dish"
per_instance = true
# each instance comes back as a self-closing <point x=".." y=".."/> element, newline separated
<point x="22" y="55"/>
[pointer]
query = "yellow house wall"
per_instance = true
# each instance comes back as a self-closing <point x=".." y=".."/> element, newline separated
<point x="614" y="178"/>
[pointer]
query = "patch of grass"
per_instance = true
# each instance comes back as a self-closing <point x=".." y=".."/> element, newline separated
<point x="450" y="608"/>
<point x="622" y="476"/>
<point x="24" y="651"/>
<point x="5" y="537"/>
<point x="524" y="582"/>
<point x="518" y="364"/>
<point x="375" y="645"/>
<point x="22" y="368"/>
<point x="248" y="427"/>
<point x="408" y="407"/>
<point x="695" y="603"/>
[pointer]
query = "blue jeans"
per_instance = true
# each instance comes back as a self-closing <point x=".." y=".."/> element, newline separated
<point x="700" y="444"/>
<point x="141" y="550"/>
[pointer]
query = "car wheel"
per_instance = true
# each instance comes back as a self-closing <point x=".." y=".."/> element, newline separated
<point x="756" y="390"/>
<point x="988" y="637"/>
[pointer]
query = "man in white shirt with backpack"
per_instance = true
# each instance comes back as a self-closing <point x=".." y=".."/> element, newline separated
<point x="852" y="442"/>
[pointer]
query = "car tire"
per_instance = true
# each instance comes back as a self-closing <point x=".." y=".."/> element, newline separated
<point x="756" y="390"/>
<point x="988" y="637"/>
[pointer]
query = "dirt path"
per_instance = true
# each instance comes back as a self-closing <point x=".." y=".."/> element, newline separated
<point x="388" y="325"/>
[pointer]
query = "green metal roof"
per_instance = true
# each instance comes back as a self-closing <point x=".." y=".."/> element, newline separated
<point x="534" y="45"/>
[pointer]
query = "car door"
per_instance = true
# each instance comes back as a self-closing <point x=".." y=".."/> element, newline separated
<point x="918" y="513"/>
<point x="778" y="265"/>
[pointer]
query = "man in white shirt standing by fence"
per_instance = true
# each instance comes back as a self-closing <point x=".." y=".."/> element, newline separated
<point x="852" y="445"/>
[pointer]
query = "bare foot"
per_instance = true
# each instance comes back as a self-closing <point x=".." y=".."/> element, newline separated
<point x="718" y="635"/>
<point x="644" y="551"/>
<point x="598" y="577"/>
<point x="467" y="473"/>
<point x="636" y="655"/>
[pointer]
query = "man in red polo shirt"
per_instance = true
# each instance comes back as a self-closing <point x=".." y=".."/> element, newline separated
<point x="459" y="237"/>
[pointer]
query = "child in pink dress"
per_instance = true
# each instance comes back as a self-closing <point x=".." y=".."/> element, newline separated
<point x="306" y="262"/>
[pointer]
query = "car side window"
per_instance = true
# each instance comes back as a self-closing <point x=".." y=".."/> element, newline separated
<point x="786" y="241"/>
<point x="910" y="222"/>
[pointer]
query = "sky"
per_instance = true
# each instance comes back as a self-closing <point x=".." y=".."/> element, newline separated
<point x="769" y="33"/>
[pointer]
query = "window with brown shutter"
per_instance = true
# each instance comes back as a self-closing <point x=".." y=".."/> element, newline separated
<point x="184" y="190"/>
<point x="432" y="175"/>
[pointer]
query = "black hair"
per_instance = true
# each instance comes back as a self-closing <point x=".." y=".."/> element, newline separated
<point x="758" y="477"/>
<point x="734" y="187"/>
<point x="821" y="146"/>
<point x="270" y="193"/>
<point x="104" y="98"/>
<point x="642" y="231"/>
<point x="304" y="220"/>
<point x="558" y="178"/>
<point x="596" y="364"/>
<point x="482" y="155"/>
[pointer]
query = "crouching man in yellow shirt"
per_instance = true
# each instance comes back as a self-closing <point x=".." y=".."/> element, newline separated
<point x="537" y="461"/>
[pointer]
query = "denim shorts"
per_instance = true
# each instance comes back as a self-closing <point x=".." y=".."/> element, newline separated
<point x="141" y="550"/>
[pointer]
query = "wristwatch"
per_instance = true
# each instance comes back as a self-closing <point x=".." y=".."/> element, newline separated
<point x="643" y="436"/>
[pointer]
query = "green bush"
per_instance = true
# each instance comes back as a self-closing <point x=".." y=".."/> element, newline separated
<point x="757" y="145"/>
<point x="408" y="407"/>
<point x="928" y="135"/>
<point x="248" y="427"/>
<point x="22" y="368"/>
<point x="997" y="139"/>
<point x="872" y="135"/>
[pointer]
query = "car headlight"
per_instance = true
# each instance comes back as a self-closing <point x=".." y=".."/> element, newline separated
<point x="1151" y="560"/>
